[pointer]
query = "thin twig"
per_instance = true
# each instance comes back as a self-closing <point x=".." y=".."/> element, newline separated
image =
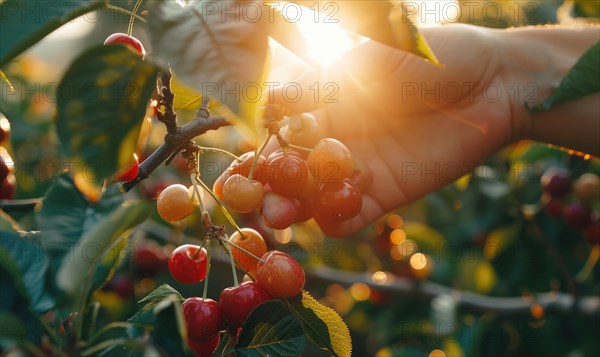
<point x="552" y="302"/>
<point x="187" y="132"/>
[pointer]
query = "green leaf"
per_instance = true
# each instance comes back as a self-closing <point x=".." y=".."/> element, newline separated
<point x="408" y="37"/>
<point x="74" y="274"/>
<point x="145" y="315"/>
<point x="221" y="56"/>
<point x="162" y="292"/>
<point x="162" y="316"/>
<point x="381" y="21"/>
<point x="15" y="304"/>
<point x="31" y="263"/>
<point x="271" y="329"/>
<point x="24" y="23"/>
<point x="101" y="103"/>
<point x="322" y="325"/>
<point x="66" y="215"/>
<point x="582" y="80"/>
<point x="170" y="331"/>
<point x="105" y="269"/>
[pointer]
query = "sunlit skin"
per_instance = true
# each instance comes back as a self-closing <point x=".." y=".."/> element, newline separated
<point x="417" y="127"/>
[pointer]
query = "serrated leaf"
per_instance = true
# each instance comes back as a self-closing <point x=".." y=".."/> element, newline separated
<point x="322" y="325"/>
<point x="408" y="36"/>
<point x="582" y="80"/>
<point x="74" y="272"/>
<point x="66" y="215"/>
<point x="219" y="55"/>
<point x="24" y="23"/>
<point x="31" y="263"/>
<point x="162" y="292"/>
<point x="271" y="329"/>
<point x="101" y="104"/>
<point x="145" y="315"/>
<point x="162" y="316"/>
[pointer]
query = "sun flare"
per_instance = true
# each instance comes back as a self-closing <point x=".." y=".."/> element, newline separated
<point x="326" y="41"/>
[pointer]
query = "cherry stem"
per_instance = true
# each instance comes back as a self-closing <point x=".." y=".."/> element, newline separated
<point x="193" y="178"/>
<point x="220" y="204"/>
<point x="132" y="18"/>
<point x="121" y="10"/>
<point x="231" y="261"/>
<point x="300" y="148"/>
<point x="257" y="154"/>
<point x="196" y="253"/>
<point x="242" y="249"/>
<point x="206" y="148"/>
<point x="205" y="291"/>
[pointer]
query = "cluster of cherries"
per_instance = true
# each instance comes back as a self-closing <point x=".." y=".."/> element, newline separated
<point x="572" y="200"/>
<point x="292" y="186"/>
<point x="276" y="274"/>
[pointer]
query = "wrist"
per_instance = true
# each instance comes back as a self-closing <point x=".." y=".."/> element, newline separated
<point x="535" y="60"/>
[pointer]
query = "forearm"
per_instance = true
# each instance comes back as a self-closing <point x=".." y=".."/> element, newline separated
<point x="541" y="57"/>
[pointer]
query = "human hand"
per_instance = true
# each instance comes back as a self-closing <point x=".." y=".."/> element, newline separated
<point x="416" y="127"/>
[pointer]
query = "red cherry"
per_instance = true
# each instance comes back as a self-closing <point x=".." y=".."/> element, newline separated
<point x="149" y="260"/>
<point x="279" y="212"/>
<point x="204" y="348"/>
<point x="280" y="275"/>
<point x="280" y="152"/>
<point x="556" y="181"/>
<point x="330" y="161"/>
<point x="305" y="208"/>
<point x="244" y="166"/>
<point x="554" y="207"/>
<point x="237" y="302"/>
<point x="121" y="284"/>
<point x="252" y="241"/>
<point x="125" y="39"/>
<point x="577" y="215"/>
<point x="202" y="317"/>
<point x="337" y="202"/>
<point x="288" y="175"/>
<point x="242" y="194"/>
<point x="187" y="265"/>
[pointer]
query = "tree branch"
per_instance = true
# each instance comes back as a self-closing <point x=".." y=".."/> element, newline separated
<point x="552" y="302"/>
<point x="174" y="143"/>
<point x="177" y="136"/>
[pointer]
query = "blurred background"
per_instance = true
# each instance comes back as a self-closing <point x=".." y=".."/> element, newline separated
<point x="523" y="224"/>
